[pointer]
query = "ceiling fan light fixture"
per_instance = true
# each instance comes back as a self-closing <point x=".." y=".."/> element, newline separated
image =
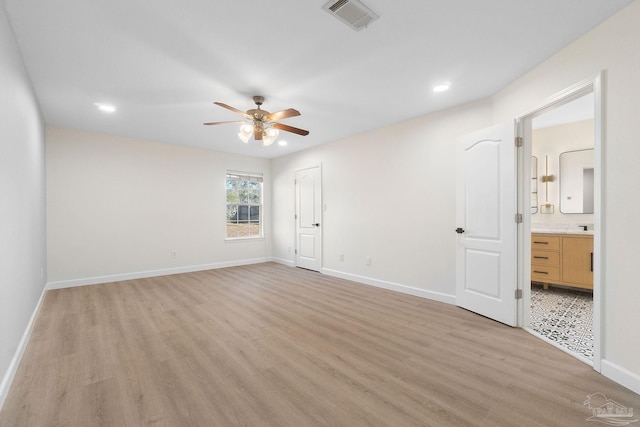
<point x="245" y="133"/>
<point x="272" y="132"/>
<point x="261" y="124"/>
<point x="269" y="136"/>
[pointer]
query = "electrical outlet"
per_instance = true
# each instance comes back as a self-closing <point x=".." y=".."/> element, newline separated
<point x="174" y="254"/>
<point x="341" y="256"/>
<point x="289" y="249"/>
<point x="367" y="261"/>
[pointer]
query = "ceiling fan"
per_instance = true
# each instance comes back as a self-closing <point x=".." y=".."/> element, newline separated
<point x="261" y="123"/>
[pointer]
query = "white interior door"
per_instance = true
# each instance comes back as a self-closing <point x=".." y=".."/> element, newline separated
<point x="486" y="278"/>
<point x="309" y="218"/>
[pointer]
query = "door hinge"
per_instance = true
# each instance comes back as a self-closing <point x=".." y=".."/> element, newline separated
<point x="518" y="293"/>
<point x="518" y="218"/>
<point x="295" y="251"/>
<point x="519" y="141"/>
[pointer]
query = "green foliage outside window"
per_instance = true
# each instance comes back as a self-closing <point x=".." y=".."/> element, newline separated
<point x="244" y="205"/>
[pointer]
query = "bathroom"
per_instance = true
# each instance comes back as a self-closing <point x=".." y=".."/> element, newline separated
<point x="562" y="226"/>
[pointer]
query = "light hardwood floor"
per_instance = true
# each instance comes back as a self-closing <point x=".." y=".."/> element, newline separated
<point x="270" y="345"/>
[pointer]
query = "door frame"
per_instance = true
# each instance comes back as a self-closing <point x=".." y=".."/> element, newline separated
<point x="593" y="84"/>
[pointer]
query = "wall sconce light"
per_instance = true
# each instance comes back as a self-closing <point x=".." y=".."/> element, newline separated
<point x="546" y="208"/>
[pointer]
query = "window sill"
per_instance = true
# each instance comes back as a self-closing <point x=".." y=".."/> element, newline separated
<point x="242" y="239"/>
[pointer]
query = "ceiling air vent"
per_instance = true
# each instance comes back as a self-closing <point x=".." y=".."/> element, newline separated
<point x="351" y="12"/>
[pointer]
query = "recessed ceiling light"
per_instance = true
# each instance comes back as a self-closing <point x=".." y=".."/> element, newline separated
<point x="282" y="143"/>
<point x="443" y="87"/>
<point x="105" y="108"/>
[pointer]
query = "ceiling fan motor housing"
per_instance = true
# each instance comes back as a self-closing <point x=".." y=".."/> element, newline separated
<point x="257" y="113"/>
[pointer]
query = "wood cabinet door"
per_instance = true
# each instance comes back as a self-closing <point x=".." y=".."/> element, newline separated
<point x="577" y="260"/>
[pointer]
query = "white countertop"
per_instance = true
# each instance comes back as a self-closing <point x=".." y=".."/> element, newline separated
<point x="561" y="231"/>
<point x="562" y="228"/>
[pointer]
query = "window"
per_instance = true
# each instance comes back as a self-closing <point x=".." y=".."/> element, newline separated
<point x="244" y="205"/>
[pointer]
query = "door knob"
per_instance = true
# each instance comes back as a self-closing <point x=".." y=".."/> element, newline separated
<point x="317" y="224"/>
<point x="459" y="230"/>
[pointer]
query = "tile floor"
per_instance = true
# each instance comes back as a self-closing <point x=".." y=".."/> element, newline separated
<point x="565" y="317"/>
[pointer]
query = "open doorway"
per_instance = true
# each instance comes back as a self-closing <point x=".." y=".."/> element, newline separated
<point x="562" y="226"/>
<point x="561" y="249"/>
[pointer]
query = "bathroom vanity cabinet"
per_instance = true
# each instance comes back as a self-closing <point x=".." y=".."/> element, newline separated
<point x="563" y="259"/>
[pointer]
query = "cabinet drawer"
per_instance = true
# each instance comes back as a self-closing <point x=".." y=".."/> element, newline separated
<point x="551" y="259"/>
<point x="545" y="243"/>
<point x="544" y="274"/>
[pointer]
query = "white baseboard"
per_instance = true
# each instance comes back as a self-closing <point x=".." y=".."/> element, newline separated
<point x="150" y="273"/>
<point x="436" y="296"/>
<point x="5" y="385"/>
<point x="621" y="375"/>
<point x="287" y="262"/>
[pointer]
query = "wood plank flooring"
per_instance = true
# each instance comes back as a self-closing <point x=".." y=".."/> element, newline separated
<point x="270" y="345"/>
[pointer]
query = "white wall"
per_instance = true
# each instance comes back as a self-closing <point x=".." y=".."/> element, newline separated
<point x="119" y="207"/>
<point x="613" y="47"/>
<point x="389" y="195"/>
<point x="22" y="205"/>
<point x="367" y="179"/>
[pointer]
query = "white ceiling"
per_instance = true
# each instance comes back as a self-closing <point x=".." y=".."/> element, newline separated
<point x="163" y="62"/>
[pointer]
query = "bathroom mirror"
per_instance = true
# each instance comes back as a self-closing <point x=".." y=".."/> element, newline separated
<point x="576" y="182"/>
<point x="534" y="184"/>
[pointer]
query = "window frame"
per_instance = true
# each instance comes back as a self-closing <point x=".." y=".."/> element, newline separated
<point x="246" y="177"/>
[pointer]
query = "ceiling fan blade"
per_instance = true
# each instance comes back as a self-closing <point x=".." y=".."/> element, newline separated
<point x="224" y="123"/>
<point x="235" y="110"/>
<point x="279" y="115"/>
<point x="257" y="133"/>
<point x="291" y="129"/>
